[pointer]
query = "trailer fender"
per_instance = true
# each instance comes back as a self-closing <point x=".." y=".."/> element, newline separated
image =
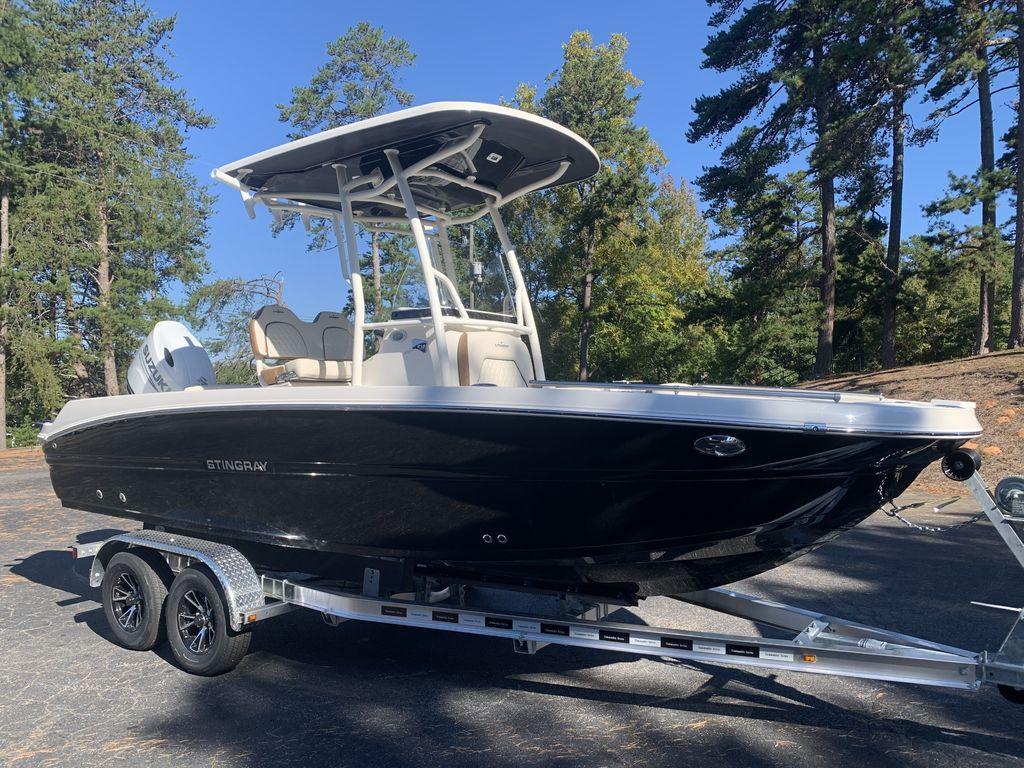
<point x="242" y="588"/>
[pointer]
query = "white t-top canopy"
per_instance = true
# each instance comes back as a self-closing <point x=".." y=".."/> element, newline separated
<point x="513" y="150"/>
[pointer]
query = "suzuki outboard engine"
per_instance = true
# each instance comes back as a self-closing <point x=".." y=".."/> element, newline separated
<point x="170" y="359"/>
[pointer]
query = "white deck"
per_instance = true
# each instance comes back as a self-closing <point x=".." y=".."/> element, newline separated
<point x="751" y="408"/>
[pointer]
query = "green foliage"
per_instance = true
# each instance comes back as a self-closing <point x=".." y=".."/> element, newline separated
<point x="221" y="310"/>
<point x="620" y="265"/>
<point x="22" y="435"/>
<point x="768" y="304"/>
<point x="938" y="303"/>
<point x="645" y="331"/>
<point x="107" y="222"/>
<point x="360" y="80"/>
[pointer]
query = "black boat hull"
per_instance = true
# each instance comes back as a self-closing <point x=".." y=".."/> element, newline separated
<point x="608" y="506"/>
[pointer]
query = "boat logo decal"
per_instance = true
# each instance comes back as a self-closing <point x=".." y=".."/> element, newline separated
<point x="420" y="344"/>
<point x="154" y="373"/>
<point x="719" y="445"/>
<point x="238" y="465"/>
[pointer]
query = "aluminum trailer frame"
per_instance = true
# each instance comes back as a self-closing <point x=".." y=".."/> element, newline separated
<point x="820" y="644"/>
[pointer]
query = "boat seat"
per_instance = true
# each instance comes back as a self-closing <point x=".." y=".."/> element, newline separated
<point x="290" y="350"/>
<point x="493" y="358"/>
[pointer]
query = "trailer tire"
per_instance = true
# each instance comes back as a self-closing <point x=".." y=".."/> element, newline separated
<point x="133" y="602"/>
<point x="196" y="621"/>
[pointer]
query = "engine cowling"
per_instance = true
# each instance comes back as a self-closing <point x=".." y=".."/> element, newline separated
<point x="169" y="360"/>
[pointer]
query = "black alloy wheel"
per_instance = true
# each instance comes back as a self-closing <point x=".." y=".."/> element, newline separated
<point x="133" y="601"/>
<point x="196" y="618"/>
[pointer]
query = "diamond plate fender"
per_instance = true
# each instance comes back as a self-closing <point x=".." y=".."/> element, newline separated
<point x="242" y="589"/>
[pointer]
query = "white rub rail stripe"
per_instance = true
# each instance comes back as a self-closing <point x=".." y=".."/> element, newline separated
<point x="271" y="405"/>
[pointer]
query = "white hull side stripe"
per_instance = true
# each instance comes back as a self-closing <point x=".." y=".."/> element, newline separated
<point x="55" y="430"/>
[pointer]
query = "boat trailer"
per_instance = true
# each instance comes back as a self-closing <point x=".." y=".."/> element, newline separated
<point x="819" y="644"/>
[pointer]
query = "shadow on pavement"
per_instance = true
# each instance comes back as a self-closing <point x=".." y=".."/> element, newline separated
<point x="368" y="695"/>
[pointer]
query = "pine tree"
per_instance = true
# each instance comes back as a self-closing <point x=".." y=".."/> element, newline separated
<point x="595" y="95"/>
<point x="895" y="38"/>
<point x="968" y="54"/>
<point x="792" y="63"/>
<point x="769" y="305"/>
<point x="18" y="85"/>
<point x="361" y="79"/>
<point x="120" y="217"/>
<point x="1017" y="142"/>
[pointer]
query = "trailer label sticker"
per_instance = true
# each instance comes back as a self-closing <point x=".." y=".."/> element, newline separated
<point x="650" y="642"/>
<point x="555" y="629"/>
<point x="775" y="655"/>
<point x="718" y="650"/>
<point x="392" y="610"/>
<point x="614" y="636"/>
<point x="677" y="643"/>
<point x="734" y="649"/>
<point x="419" y="613"/>
<point x="472" y="619"/>
<point x="584" y="633"/>
<point x="526" y="626"/>
<point x="446" y="616"/>
<point x="497" y="623"/>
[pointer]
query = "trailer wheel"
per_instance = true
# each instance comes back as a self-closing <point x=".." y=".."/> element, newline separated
<point x="1015" y="695"/>
<point x="197" y="626"/>
<point x="133" y="601"/>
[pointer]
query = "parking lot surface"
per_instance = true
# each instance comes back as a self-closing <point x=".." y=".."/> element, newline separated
<point x="374" y="695"/>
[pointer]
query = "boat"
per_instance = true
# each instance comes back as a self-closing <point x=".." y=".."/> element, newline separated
<point x="429" y="444"/>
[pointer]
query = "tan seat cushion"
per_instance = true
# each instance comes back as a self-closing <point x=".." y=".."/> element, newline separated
<point x="308" y="369"/>
<point x="269" y="374"/>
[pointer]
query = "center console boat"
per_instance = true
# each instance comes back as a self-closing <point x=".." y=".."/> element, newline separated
<point x="431" y="443"/>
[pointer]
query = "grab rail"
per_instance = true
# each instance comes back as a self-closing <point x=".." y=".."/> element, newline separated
<point x="808" y="394"/>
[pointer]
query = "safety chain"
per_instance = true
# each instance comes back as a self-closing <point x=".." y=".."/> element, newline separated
<point x="894" y="511"/>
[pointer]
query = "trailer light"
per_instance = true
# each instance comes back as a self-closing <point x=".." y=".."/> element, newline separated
<point x="810" y="658"/>
<point x="250" y="618"/>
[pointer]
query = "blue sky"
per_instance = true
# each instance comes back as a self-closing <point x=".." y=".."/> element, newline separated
<point x="239" y="60"/>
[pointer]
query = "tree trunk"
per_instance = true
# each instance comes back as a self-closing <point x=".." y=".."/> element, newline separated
<point x="103" y="283"/>
<point x="588" y="294"/>
<point x="823" y="358"/>
<point x="1017" y="291"/>
<point x="981" y="325"/>
<point x="990" y="304"/>
<point x="986" y="289"/>
<point x="588" y="287"/>
<point x="892" y="253"/>
<point x="78" y="367"/>
<point x="827" y="193"/>
<point x="5" y="249"/>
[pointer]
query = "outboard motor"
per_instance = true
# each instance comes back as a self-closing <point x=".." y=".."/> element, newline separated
<point x="170" y="359"/>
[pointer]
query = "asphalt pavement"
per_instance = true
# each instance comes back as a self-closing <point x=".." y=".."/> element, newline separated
<point x="374" y="695"/>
